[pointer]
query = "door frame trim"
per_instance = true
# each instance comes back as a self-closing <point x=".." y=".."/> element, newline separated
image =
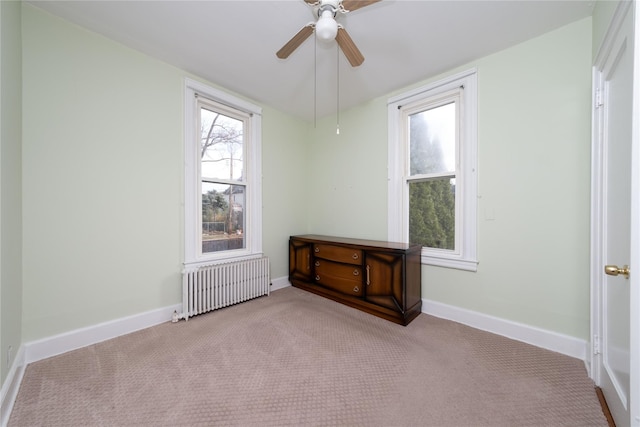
<point x="635" y="227"/>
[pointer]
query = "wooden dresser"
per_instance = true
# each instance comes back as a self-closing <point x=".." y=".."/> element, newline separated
<point x="381" y="278"/>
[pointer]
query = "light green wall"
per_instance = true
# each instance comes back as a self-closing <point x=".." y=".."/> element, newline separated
<point x="285" y="143"/>
<point x="103" y="179"/>
<point x="534" y="181"/>
<point x="10" y="184"/>
<point x="534" y="156"/>
<point x="348" y="189"/>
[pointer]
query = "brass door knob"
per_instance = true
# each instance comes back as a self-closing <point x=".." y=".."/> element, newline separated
<point x="614" y="270"/>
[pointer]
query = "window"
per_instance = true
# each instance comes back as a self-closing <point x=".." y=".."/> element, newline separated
<point x="433" y="170"/>
<point x="222" y="176"/>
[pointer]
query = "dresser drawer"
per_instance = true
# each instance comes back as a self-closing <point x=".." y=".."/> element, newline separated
<point x="338" y="253"/>
<point x="340" y="277"/>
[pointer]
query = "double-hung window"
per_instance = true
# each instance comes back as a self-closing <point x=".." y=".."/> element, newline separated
<point x="222" y="176"/>
<point x="433" y="170"/>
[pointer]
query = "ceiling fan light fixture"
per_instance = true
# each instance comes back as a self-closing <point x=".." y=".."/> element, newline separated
<point x="326" y="27"/>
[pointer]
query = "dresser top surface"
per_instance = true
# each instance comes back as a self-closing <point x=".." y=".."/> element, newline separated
<point x="358" y="242"/>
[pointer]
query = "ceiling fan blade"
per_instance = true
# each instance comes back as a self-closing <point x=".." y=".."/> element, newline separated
<point x="295" y="41"/>
<point x="349" y="48"/>
<point x="312" y="2"/>
<point x="351" y="5"/>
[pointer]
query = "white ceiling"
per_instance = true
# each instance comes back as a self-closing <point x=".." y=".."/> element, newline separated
<point x="233" y="43"/>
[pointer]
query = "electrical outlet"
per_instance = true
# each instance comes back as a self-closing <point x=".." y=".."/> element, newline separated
<point x="9" y="356"/>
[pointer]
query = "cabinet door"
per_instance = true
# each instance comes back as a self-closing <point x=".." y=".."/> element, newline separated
<point x="384" y="279"/>
<point x="299" y="260"/>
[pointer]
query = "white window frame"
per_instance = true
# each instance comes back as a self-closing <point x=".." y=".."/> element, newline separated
<point x="464" y="256"/>
<point x="193" y="255"/>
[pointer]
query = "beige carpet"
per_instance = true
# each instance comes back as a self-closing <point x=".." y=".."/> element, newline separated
<point x="297" y="359"/>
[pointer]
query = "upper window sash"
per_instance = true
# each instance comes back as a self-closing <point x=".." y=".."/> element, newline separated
<point x="245" y="119"/>
<point x="446" y="98"/>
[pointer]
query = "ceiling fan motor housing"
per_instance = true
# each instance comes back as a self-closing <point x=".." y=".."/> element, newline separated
<point x="333" y="5"/>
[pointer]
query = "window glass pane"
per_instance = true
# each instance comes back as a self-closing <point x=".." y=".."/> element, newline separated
<point x="432" y="216"/>
<point x="432" y="139"/>
<point x="221" y="146"/>
<point x="222" y="217"/>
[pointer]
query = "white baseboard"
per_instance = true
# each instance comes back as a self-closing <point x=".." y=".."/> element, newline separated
<point x="549" y="340"/>
<point x="563" y="344"/>
<point x="58" y="344"/>
<point x="279" y="283"/>
<point x="62" y="343"/>
<point x="9" y="391"/>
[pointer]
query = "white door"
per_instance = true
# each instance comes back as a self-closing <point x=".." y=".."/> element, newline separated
<point x="616" y="272"/>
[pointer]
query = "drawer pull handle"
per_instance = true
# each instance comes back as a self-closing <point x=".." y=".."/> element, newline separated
<point x="317" y="249"/>
<point x="356" y="272"/>
<point x="317" y="277"/>
<point x="355" y="256"/>
<point x="317" y="264"/>
<point x="368" y="275"/>
<point x="356" y="289"/>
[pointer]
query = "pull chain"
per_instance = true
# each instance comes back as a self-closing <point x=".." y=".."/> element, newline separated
<point x="315" y="82"/>
<point x="338" y="91"/>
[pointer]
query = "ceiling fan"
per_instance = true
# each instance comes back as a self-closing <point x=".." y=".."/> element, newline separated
<point x="327" y="28"/>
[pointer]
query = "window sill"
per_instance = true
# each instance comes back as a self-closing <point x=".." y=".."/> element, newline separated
<point x="194" y="265"/>
<point x="456" y="263"/>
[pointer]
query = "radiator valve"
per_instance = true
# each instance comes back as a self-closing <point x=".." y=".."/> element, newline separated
<point x="175" y="318"/>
